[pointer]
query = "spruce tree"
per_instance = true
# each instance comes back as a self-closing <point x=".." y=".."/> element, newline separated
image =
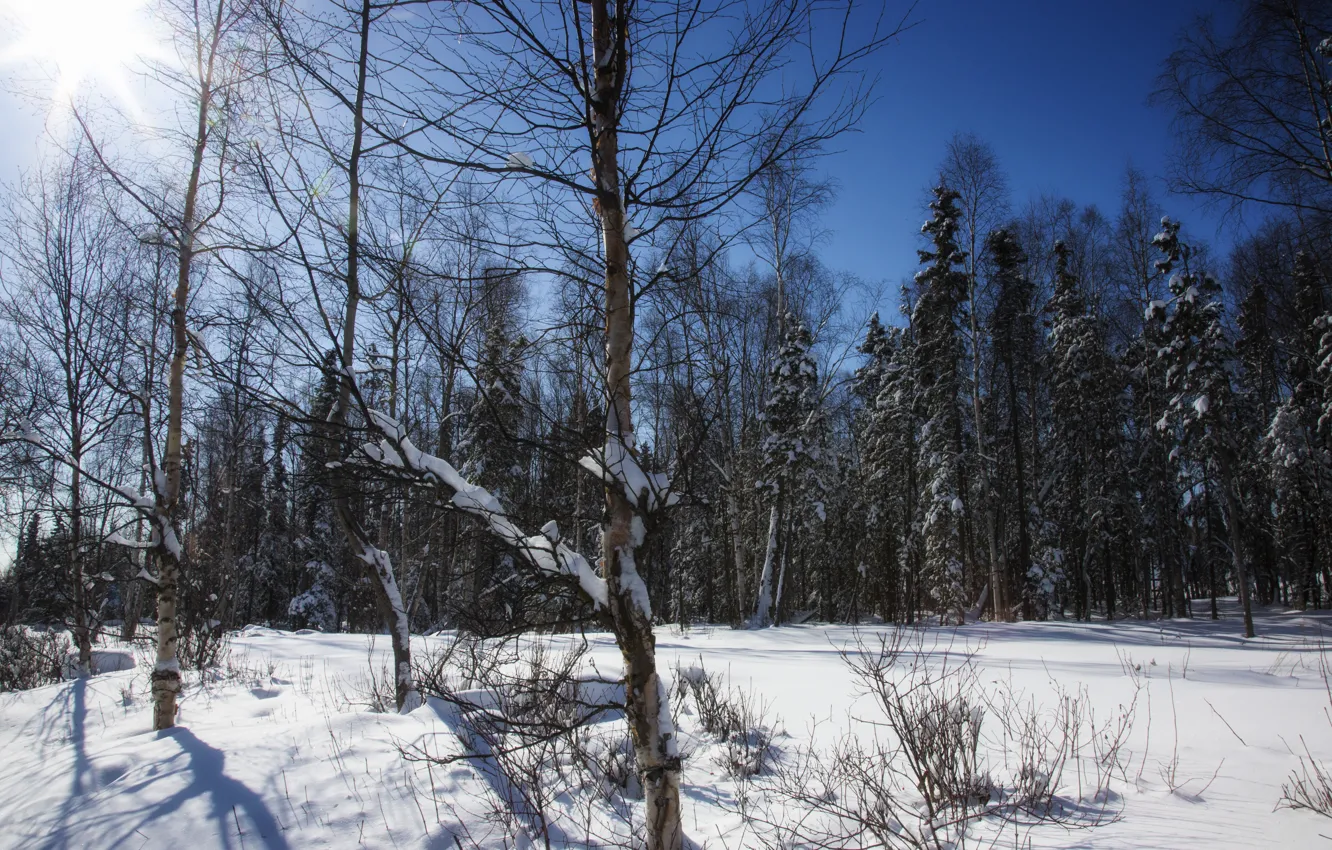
<point x="319" y="548"/>
<point x="1257" y="398"/>
<point x="879" y="559"/>
<point x="899" y="406"/>
<point x="1013" y="334"/>
<point x="935" y="320"/>
<point x="494" y="460"/>
<point x="1085" y="418"/>
<point x="1201" y="406"/>
<point x="790" y="454"/>
<point x="1298" y="439"/>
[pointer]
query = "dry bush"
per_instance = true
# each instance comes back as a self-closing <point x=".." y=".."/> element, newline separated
<point x="917" y="773"/>
<point x="1310" y="785"/>
<point x="202" y="645"/>
<point x="549" y="739"/>
<point x="739" y="720"/>
<point x="30" y="659"/>
<point x="376" y="690"/>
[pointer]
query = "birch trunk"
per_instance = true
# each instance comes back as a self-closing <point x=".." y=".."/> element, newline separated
<point x="646" y="700"/>
<point x="82" y="634"/>
<point x="763" y="605"/>
<point x="166" y="670"/>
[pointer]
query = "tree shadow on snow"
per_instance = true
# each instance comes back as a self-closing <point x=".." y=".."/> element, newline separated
<point x="73" y="707"/>
<point x="233" y="804"/>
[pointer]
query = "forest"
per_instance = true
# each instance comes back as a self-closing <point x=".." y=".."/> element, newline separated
<point x="411" y="318"/>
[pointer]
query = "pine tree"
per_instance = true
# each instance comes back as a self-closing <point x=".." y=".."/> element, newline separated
<point x="319" y="547"/>
<point x="943" y="292"/>
<point x="1256" y="403"/>
<point x="1201" y="406"/>
<point x="1298" y="439"/>
<point x="273" y="556"/>
<point x="1085" y="417"/>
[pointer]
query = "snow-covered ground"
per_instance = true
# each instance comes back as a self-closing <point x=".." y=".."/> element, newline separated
<point x="278" y="755"/>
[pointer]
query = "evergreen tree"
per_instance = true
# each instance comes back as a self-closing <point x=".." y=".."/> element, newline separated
<point x="1256" y="401"/>
<point x="319" y="547"/>
<point x="943" y="291"/>
<point x="494" y="459"/>
<point x="273" y="558"/>
<point x="1151" y="462"/>
<point x="1013" y="334"/>
<point x="878" y="559"/>
<point x="1201" y="405"/>
<point x="790" y="456"/>
<point x="1085" y="425"/>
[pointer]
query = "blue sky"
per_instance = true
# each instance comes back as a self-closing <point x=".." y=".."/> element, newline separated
<point x="1058" y="89"/>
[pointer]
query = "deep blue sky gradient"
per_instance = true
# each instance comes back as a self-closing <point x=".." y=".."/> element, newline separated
<point x="1058" y="89"/>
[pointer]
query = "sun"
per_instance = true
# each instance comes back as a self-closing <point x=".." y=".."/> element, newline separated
<point x="79" y="43"/>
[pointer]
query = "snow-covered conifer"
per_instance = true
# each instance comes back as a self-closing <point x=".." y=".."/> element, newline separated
<point x="1200" y="410"/>
<point x="943" y="293"/>
<point x="790" y="456"/>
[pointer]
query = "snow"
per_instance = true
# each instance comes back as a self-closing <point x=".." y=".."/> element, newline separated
<point x="617" y="464"/>
<point x="271" y="755"/>
<point x="115" y="538"/>
<point x="632" y="583"/>
<point x="518" y="159"/>
<point x="170" y="665"/>
<point x="1200" y="405"/>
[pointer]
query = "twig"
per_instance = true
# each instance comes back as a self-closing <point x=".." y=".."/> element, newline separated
<point x="1223" y="720"/>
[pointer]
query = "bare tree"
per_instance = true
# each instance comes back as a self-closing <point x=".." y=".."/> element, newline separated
<point x="1253" y="108"/>
<point x="65" y="256"/>
<point x="604" y="107"/>
<point x="186" y="219"/>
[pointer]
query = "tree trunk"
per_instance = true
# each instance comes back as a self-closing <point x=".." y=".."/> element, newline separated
<point x="763" y="605"/>
<point x="1237" y="543"/>
<point x="166" y="672"/>
<point x="738" y="554"/>
<point x="388" y="597"/>
<point x="1003" y="603"/>
<point x="82" y="634"/>
<point x="646" y="701"/>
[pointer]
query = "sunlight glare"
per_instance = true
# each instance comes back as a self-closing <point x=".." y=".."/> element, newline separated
<point x="83" y="42"/>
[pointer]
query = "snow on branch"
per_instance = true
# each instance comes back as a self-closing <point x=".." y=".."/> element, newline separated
<point x="163" y="533"/>
<point x="616" y="464"/>
<point x="115" y="538"/>
<point x="396" y="450"/>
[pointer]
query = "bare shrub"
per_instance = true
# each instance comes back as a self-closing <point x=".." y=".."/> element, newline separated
<point x="739" y="720"/>
<point x="202" y="645"/>
<point x="1310" y="785"/>
<point x="374" y="690"/>
<point x="748" y="749"/>
<point x="548" y="737"/>
<point x="30" y="659"/>
<point x="917" y="773"/>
